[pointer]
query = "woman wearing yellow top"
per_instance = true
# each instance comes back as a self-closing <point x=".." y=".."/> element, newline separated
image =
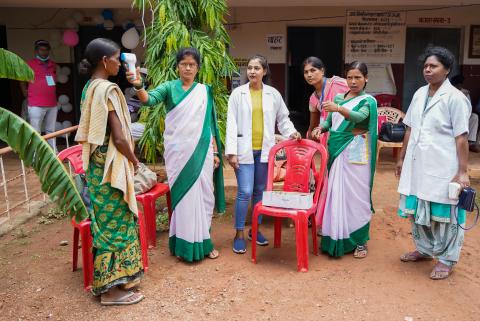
<point x="253" y="111"/>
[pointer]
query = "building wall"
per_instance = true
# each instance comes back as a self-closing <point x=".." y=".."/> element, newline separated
<point x="250" y="38"/>
<point x="25" y="25"/>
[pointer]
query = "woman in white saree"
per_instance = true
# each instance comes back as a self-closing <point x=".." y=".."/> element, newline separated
<point x="191" y="156"/>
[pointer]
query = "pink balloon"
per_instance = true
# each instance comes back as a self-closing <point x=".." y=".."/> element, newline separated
<point x="70" y="38"/>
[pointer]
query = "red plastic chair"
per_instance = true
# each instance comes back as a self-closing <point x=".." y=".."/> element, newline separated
<point x="299" y="162"/>
<point x="148" y="203"/>
<point x="74" y="156"/>
<point x="386" y="100"/>
<point x="83" y="229"/>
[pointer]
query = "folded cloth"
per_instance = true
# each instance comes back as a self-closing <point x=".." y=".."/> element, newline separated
<point x="91" y="134"/>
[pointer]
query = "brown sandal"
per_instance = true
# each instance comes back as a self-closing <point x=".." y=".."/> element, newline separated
<point x="414" y="256"/>
<point x="441" y="271"/>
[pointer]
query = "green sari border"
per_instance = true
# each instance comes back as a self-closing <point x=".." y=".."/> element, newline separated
<point x="338" y="248"/>
<point x="188" y="251"/>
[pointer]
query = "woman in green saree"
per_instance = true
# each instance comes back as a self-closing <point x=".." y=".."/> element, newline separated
<point x="352" y="145"/>
<point x="109" y="163"/>
<point x="192" y="156"/>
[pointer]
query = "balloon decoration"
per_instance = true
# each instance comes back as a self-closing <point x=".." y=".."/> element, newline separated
<point x="65" y="70"/>
<point x="62" y="79"/>
<point x="67" y="107"/>
<point x="108" y="25"/>
<point x="107" y="14"/>
<point x="70" y="38"/>
<point x="67" y="124"/>
<point x="63" y="99"/>
<point x="58" y="126"/>
<point x="130" y="38"/>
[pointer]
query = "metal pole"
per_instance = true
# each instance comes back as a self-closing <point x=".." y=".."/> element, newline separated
<point x="4" y="183"/>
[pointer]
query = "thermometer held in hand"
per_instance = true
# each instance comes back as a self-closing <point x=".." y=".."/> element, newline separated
<point x="130" y="59"/>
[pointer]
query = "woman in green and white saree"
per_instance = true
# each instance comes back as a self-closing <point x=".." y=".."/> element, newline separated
<point x="192" y="160"/>
<point x="352" y="145"/>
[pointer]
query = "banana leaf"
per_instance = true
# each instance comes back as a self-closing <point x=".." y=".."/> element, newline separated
<point x="13" y="67"/>
<point x="37" y="153"/>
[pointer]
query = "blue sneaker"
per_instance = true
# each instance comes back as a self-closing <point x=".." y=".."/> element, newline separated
<point x="239" y="246"/>
<point x="261" y="240"/>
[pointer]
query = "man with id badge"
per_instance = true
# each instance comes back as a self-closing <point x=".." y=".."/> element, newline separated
<point x="41" y="93"/>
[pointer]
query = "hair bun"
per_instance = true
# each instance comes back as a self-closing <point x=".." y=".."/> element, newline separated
<point x="84" y="67"/>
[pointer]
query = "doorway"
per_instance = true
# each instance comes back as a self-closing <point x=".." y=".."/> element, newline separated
<point x="5" y="94"/>
<point x="325" y="43"/>
<point x="418" y="39"/>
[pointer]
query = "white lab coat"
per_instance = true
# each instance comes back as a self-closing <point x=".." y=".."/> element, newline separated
<point x="238" y="139"/>
<point x="431" y="159"/>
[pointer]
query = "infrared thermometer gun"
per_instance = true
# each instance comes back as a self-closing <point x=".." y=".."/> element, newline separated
<point x="130" y="59"/>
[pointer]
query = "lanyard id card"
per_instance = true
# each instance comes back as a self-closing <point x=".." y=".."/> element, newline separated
<point x="50" y="81"/>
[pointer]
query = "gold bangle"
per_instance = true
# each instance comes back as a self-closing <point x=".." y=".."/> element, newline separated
<point x="338" y="108"/>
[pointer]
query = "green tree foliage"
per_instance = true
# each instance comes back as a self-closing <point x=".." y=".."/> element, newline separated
<point x="177" y="24"/>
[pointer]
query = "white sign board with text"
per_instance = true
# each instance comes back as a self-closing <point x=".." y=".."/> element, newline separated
<point x="375" y="36"/>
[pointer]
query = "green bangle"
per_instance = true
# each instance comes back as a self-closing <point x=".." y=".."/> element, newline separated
<point x="216" y="153"/>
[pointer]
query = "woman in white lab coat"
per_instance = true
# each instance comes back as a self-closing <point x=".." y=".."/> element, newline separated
<point x="434" y="153"/>
<point x="253" y="111"/>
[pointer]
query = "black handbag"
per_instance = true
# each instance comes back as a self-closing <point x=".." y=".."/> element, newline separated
<point x="391" y="132"/>
<point x="466" y="201"/>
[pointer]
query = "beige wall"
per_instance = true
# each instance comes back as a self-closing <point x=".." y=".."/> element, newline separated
<point x="251" y="38"/>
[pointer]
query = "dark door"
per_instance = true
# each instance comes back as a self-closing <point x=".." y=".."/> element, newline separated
<point x="325" y="43"/>
<point x="87" y="34"/>
<point x="418" y="39"/>
<point x="5" y="95"/>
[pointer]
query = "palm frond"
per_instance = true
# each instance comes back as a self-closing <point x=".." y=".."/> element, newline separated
<point x="13" y="67"/>
<point x="37" y="153"/>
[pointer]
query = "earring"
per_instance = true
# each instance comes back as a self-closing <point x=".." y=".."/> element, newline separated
<point x="105" y="65"/>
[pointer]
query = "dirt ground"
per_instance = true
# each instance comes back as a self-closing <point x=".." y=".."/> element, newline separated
<point x="37" y="282"/>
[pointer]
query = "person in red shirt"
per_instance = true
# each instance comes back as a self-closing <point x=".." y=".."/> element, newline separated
<point x="41" y="93"/>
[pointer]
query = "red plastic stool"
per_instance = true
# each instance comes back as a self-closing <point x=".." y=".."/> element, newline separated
<point x="83" y="228"/>
<point x="148" y="200"/>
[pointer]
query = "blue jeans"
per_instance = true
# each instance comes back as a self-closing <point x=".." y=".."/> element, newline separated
<point x="251" y="181"/>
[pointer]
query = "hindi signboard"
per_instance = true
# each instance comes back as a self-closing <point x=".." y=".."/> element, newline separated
<point x="375" y="36"/>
